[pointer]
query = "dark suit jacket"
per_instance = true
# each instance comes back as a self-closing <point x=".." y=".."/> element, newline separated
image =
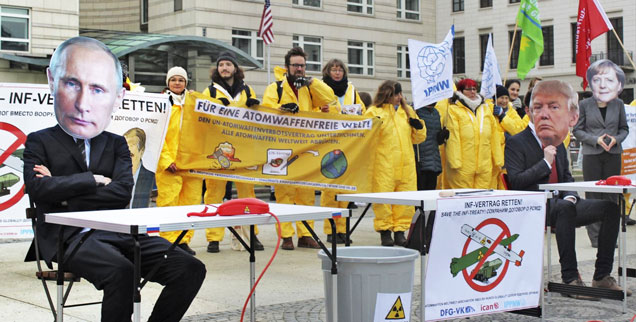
<point x="591" y="125"/>
<point x="526" y="167"/>
<point x="72" y="186"/>
<point x="143" y="185"/>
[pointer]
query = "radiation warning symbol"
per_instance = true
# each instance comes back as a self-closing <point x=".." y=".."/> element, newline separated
<point x="397" y="311"/>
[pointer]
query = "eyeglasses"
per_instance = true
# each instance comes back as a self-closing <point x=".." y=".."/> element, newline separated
<point x="337" y="70"/>
<point x="298" y="65"/>
<point x="470" y="89"/>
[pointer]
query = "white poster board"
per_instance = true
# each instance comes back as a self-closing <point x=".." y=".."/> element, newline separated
<point x="629" y="145"/>
<point x="486" y="255"/>
<point x="26" y="108"/>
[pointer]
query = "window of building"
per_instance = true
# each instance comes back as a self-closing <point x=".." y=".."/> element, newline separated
<point x="408" y="9"/>
<point x="514" y="56"/>
<point x="360" y="6"/>
<point x="144" y="12"/>
<point x="249" y="42"/>
<point x="573" y="34"/>
<point x="403" y="62"/>
<point x="313" y="48"/>
<point x="485" y="3"/>
<point x="547" y="58"/>
<point x="458" y="5"/>
<point x="627" y="95"/>
<point x="459" y="56"/>
<point x="514" y="1"/>
<point x="15" y="29"/>
<point x="360" y="56"/>
<point x="307" y="3"/>
<point x="178" y="5"/>
<point x="614" y="50"/>
<point x="483" y="46"/>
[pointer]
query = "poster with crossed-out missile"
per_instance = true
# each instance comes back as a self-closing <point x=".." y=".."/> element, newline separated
<point x="486" y="255"/>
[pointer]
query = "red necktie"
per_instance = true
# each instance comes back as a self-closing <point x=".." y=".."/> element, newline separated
<point x="554" y="178"/>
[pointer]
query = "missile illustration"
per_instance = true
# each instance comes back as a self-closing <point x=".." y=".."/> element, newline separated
<point x="459" y="264"/>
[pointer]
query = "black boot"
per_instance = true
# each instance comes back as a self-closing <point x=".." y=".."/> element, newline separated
<point x="400" y="240"/>
<point x="385" y="237"/>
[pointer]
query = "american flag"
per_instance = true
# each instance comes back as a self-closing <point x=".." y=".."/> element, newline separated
<point x="267" y="21"/>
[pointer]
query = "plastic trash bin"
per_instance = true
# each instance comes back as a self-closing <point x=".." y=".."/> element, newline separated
<point x="363" y="272"/>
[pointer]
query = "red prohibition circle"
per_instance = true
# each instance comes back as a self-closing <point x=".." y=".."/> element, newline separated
<point x="20" y="139"/>
<point x="488" y="287"/>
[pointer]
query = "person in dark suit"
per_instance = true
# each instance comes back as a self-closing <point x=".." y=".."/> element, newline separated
<point x="76" y="166"/>
<point x="144" y="178"/>
<point x="601" y="129"/>
<point x="536" y="156"/>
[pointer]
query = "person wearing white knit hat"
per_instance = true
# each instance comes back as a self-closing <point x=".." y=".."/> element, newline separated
<point x="172" y="188"/>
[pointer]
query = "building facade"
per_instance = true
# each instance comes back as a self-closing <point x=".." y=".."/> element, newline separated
<point x="370" y="36"/>
<point x="558" y="22"/>
<point x="31" y="30"/>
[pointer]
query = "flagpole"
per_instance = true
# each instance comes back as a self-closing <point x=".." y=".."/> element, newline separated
<point x="624" y="50"/>
<point x="512" y="44"/>
<point x="268" y="68"/>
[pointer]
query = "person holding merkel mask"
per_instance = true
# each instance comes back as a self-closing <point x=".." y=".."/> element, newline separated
<point x="601" y="128"/>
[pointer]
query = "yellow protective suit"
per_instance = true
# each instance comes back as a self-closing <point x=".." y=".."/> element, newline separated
<point x="215" y="189"/>
<point x="172" y="188"/>
<point x="310" y="98"/>
<point x="394" y="168"/>
<point x="511" y="124"/>
<point x="473" y="147"/>
<point x="328" y="198"/>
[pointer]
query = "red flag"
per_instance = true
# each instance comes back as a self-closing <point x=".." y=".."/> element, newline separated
<point x="591" y="23"/>
<point x="267" y="21"/>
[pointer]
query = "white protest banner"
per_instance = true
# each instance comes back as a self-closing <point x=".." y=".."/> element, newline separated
<point x="490" y="77"/>
<point x="431" y="70"/>
<point x="26" y="108"/>
<point x="629" y="145"/>
<point x="494" y="249"/>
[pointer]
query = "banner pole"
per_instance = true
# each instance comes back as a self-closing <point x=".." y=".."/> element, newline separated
<point x="624" y="50"/>
<point x="512" y="44"/>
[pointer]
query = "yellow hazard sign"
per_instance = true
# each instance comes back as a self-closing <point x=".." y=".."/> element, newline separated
<point x="397" y="311"/>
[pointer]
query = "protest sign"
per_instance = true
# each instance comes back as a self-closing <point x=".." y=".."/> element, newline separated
<point x="268" y="146"/>
<point x="26" y="108"/>
<point x="486" y="255"/>
<point x="431" y="70"/>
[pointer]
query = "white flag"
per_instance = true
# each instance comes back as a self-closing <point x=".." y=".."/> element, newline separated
<point x="431" y="70"/>
<point x="490" y="77"/>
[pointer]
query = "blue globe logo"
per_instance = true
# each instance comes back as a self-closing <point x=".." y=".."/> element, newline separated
<point x="333" y="164"/>
<point x="431" y="61"/>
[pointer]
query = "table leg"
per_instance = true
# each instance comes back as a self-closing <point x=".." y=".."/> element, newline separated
<point x="549" y="230"/>
<point x="252" y="274"/>
<point x="136" y="279"/>
<point x="622" y="249"/>
<point x="251" y="250"/>
<point x="60" y="276"/>
<point x="334" y="265"/>
<point x="423" y="264"/>
<point x="347" y="232"/>
<point x="364" y="212"/>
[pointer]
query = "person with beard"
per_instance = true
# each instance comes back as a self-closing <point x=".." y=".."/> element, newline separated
<point x="335" y="74"/>
<point x="473" y="149"/>
<point x="293" y="92"/>
<point x="228" y="88"/>
<point x="394" y="167"/>
<point x="174" y="189"/>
